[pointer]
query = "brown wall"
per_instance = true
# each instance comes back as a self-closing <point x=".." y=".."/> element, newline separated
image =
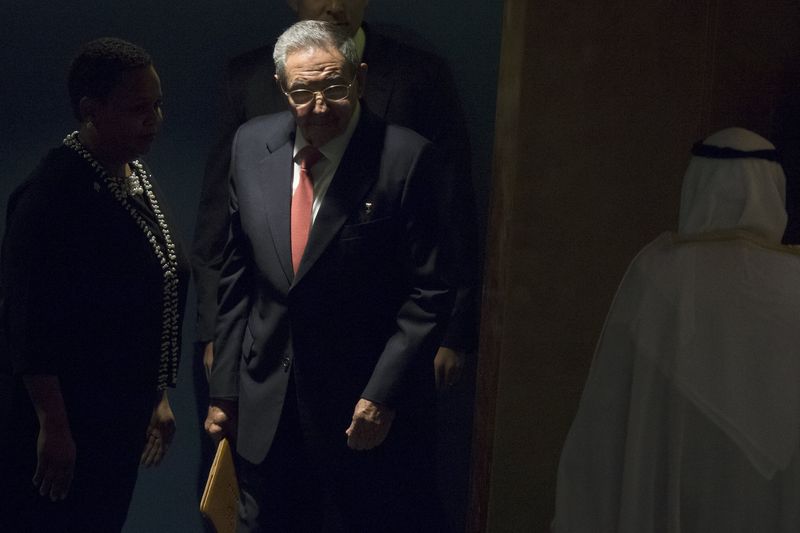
<point x="598" y="105"/>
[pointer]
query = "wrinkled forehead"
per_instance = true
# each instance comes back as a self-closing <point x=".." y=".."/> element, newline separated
<point x="316" y="62"/>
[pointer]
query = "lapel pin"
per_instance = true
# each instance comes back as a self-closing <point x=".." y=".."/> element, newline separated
<point x="365" y="213"/>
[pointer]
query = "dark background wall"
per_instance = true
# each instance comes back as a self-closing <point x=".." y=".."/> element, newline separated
<point x="190" y="42"/>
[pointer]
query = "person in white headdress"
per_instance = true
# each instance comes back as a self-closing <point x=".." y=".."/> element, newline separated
<point x="690" y="418"/>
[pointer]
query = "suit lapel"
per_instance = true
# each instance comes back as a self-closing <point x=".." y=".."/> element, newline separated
<point x="357" y="172"/>
<point x="276" y="187"/>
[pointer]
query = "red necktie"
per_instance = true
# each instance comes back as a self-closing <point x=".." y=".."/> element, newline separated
<point x="302" y="203"/>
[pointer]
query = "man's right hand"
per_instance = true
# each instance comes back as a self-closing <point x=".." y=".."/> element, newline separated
<point x="55" y="465"/>
<point x="221" y="420"/>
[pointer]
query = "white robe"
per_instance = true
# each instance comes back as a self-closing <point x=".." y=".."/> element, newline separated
<point x="690" y="418"/>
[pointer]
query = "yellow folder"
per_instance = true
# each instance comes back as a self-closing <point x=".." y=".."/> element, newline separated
<point x="221" y="495"/>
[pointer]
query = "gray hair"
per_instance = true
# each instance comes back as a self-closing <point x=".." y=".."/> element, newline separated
<point x="313" y="34"/>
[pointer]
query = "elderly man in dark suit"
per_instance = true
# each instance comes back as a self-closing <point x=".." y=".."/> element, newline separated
<point x="409" y="87"/>
<point x="331" y="305"/>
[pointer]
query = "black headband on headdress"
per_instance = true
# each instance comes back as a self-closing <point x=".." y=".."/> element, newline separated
<point x="717" y="152"/>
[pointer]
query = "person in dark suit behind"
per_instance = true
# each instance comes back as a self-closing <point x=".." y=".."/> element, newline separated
<point x="409" y="87"/>
<point x="324" y="349"/>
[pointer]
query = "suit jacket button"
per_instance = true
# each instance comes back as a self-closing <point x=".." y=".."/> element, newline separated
<point x="285" y="363"/>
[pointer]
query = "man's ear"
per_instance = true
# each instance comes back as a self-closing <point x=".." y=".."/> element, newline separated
<point x="361" y="77"/>
<point x="292" y="5"/>
<point x="280" y="83"/>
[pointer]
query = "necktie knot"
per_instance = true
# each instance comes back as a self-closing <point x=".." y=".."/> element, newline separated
<point x="307" y="157"/>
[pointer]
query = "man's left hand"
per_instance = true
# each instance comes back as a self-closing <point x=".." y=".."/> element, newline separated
<point x="447" y="367"/>
<point x="159" y="432"/>
<point x="370" y="425"/>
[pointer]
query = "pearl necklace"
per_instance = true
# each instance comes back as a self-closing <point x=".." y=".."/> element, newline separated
<point x="138" y="183"/>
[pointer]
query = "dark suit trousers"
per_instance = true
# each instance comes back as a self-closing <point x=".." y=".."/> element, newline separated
<point x="326" y="487"/>
<point x="282" y="494"/>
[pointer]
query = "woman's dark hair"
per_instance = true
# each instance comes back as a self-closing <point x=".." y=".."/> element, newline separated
<point x="97" y="68"/>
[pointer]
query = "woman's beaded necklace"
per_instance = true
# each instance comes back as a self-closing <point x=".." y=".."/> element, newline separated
<point x="139" y="183"/>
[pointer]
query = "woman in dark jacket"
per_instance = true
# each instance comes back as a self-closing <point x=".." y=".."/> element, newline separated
<point x="93" y="284"/>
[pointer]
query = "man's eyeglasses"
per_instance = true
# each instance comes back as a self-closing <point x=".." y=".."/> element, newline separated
<point x="331" y="93"/>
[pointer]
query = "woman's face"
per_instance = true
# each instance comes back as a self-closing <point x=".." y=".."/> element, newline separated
<point x="126" y="122"/>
